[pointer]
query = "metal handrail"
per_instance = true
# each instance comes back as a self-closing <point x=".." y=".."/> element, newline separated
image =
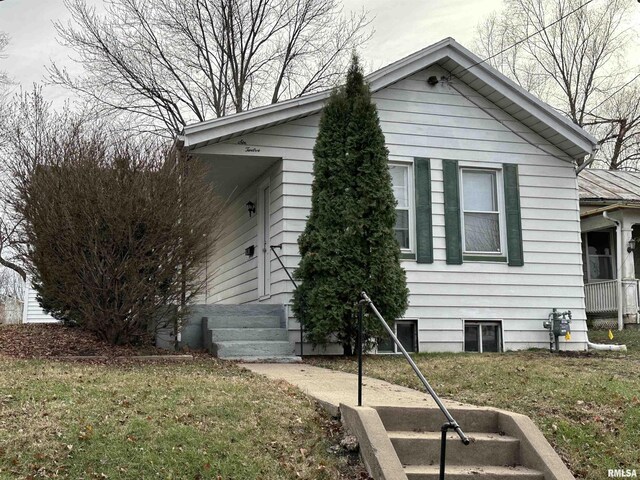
<point x="286" y="270"/>
<point x="451" y="423"/>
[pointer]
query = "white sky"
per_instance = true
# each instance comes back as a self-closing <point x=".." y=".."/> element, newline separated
<point x="401" y="27"/>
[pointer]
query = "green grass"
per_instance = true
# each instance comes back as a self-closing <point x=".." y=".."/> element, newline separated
<point x="587" y="405"/>
<point x="196" y="420"/>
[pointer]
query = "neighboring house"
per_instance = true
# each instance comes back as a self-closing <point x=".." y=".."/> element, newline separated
<point x="492" y="244"/>
<point x="32" y="312"/>
<point x="610" y="222"/>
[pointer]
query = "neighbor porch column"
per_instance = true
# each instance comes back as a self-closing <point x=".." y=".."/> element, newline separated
<point x="629" y="284"/>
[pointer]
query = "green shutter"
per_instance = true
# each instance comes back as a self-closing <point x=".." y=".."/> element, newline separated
<point x="512" y="210"/>
<point x="452" y="212"/>
<point x="424" y="227"/>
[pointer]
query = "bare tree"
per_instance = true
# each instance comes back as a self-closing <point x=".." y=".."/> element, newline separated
<point x="23" y="126"/>
<point x="4" y="79"/>
<point x="573" y="57"/>
<point x="11" y="285"/>
<point x="172" y="62"/>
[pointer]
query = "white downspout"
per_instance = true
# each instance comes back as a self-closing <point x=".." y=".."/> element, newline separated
<point x="604" y="346"/>
<point x="618" y="266"/>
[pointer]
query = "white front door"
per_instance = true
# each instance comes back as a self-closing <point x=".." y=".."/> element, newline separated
<point x="264" y="239"/>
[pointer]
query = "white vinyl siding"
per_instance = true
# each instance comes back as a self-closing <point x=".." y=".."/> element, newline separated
<point x="438" y="123"/>
<point x="32" y="312"/>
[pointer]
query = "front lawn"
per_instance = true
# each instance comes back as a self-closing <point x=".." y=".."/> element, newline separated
<point x="129" y="420"/>
<point x="587" y="405"/>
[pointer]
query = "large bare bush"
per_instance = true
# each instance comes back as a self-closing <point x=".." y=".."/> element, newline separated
<point x="116" y="233"/>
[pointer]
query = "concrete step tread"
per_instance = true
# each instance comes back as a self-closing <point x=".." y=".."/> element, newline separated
<point x="221" y="322"/>
<point x="265" y="329"/>
<point x="471" y="471"/>
<point x="265" y="359"/>
<point x="473" y="436"/>
<point x="233" y="343"/>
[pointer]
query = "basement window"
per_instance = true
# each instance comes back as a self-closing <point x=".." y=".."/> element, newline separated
<point x="482" y="336"/>
<point x="407" y="333"/>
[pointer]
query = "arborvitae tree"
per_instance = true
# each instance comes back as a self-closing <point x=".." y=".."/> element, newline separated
<point x="348" y="244"/>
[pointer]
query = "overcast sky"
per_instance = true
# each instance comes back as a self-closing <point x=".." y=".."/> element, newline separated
<point x="401" y="27"/>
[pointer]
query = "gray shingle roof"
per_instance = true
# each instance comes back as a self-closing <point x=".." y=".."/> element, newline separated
<point x="609" y="185"/>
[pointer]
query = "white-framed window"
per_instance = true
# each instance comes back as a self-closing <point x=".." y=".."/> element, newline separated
<point x="407" y="333"/>
<point x="482" y="336"/>
<point x="482" y="212"/>
<point x="402" y="181"/>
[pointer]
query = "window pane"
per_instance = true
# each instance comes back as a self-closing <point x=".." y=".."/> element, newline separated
<point x="385" y="344"/>
<point x="601" y="268"/>
<point x="402" y="228"/>
<point x="490" y="338"/>
<point x="400" y="181"/>
<point x="479" y="190"/>
<point x="599" y="243"/>
<point x="471" y="338"/>
<point x="481" y="232"/>
<point x="406" y="333"/>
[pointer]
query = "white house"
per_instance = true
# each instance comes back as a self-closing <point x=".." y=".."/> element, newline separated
<point x="484" y="173"/>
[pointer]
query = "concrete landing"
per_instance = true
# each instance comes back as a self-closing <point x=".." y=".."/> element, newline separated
<point x="332" y="388"/>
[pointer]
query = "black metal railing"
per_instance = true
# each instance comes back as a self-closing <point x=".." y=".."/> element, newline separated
<point x="451" y="423"/>
<point x="286" y="270"/>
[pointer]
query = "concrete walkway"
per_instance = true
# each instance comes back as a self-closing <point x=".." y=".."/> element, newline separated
<point x="331" y="387"/>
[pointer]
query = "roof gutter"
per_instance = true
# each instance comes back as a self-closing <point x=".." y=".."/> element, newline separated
<point x="588" y="162"/>
<point x="610" y="208"/>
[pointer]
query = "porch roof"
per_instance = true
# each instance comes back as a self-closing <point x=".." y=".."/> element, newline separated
<point x="603" y="187"/>
<point x="462" y="64"/>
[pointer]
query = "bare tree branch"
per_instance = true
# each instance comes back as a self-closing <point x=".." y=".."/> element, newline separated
<point x="174" y="62"/>
<point x="577" y="64"/>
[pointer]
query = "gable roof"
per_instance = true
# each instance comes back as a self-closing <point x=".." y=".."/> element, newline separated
<point x="609" y="186"/>
<point x="448" y="54"/>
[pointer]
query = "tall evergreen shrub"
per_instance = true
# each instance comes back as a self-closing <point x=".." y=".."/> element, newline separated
<point x="348" y="244"/>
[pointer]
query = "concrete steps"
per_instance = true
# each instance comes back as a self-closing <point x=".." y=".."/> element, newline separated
<point x="423" y="448"/>
<point x="247" y="332"/>
<point x="492" y="454"/>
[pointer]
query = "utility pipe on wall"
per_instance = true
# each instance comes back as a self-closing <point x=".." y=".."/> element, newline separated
<point x="618" y="266"/>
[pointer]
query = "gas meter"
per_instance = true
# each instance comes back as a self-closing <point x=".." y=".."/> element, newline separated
<point x="558" y="324"/>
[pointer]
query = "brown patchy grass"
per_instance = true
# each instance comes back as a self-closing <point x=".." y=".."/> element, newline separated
<point x="126" y="420"/>
<point x="587" y="405"/>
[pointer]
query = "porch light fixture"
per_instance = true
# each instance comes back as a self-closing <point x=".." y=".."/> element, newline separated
<point x="631" y="246"/>
<point x="251" y="208"/>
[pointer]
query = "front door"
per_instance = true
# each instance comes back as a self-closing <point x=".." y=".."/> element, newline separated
<point x="264" y="239"/>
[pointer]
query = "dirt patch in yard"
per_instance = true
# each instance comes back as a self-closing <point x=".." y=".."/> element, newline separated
<point x="51" y="340"/>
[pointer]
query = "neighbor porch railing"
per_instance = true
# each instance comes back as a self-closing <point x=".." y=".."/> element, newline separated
<point x="451" y="424"/>
<point x="601" y="297"/>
